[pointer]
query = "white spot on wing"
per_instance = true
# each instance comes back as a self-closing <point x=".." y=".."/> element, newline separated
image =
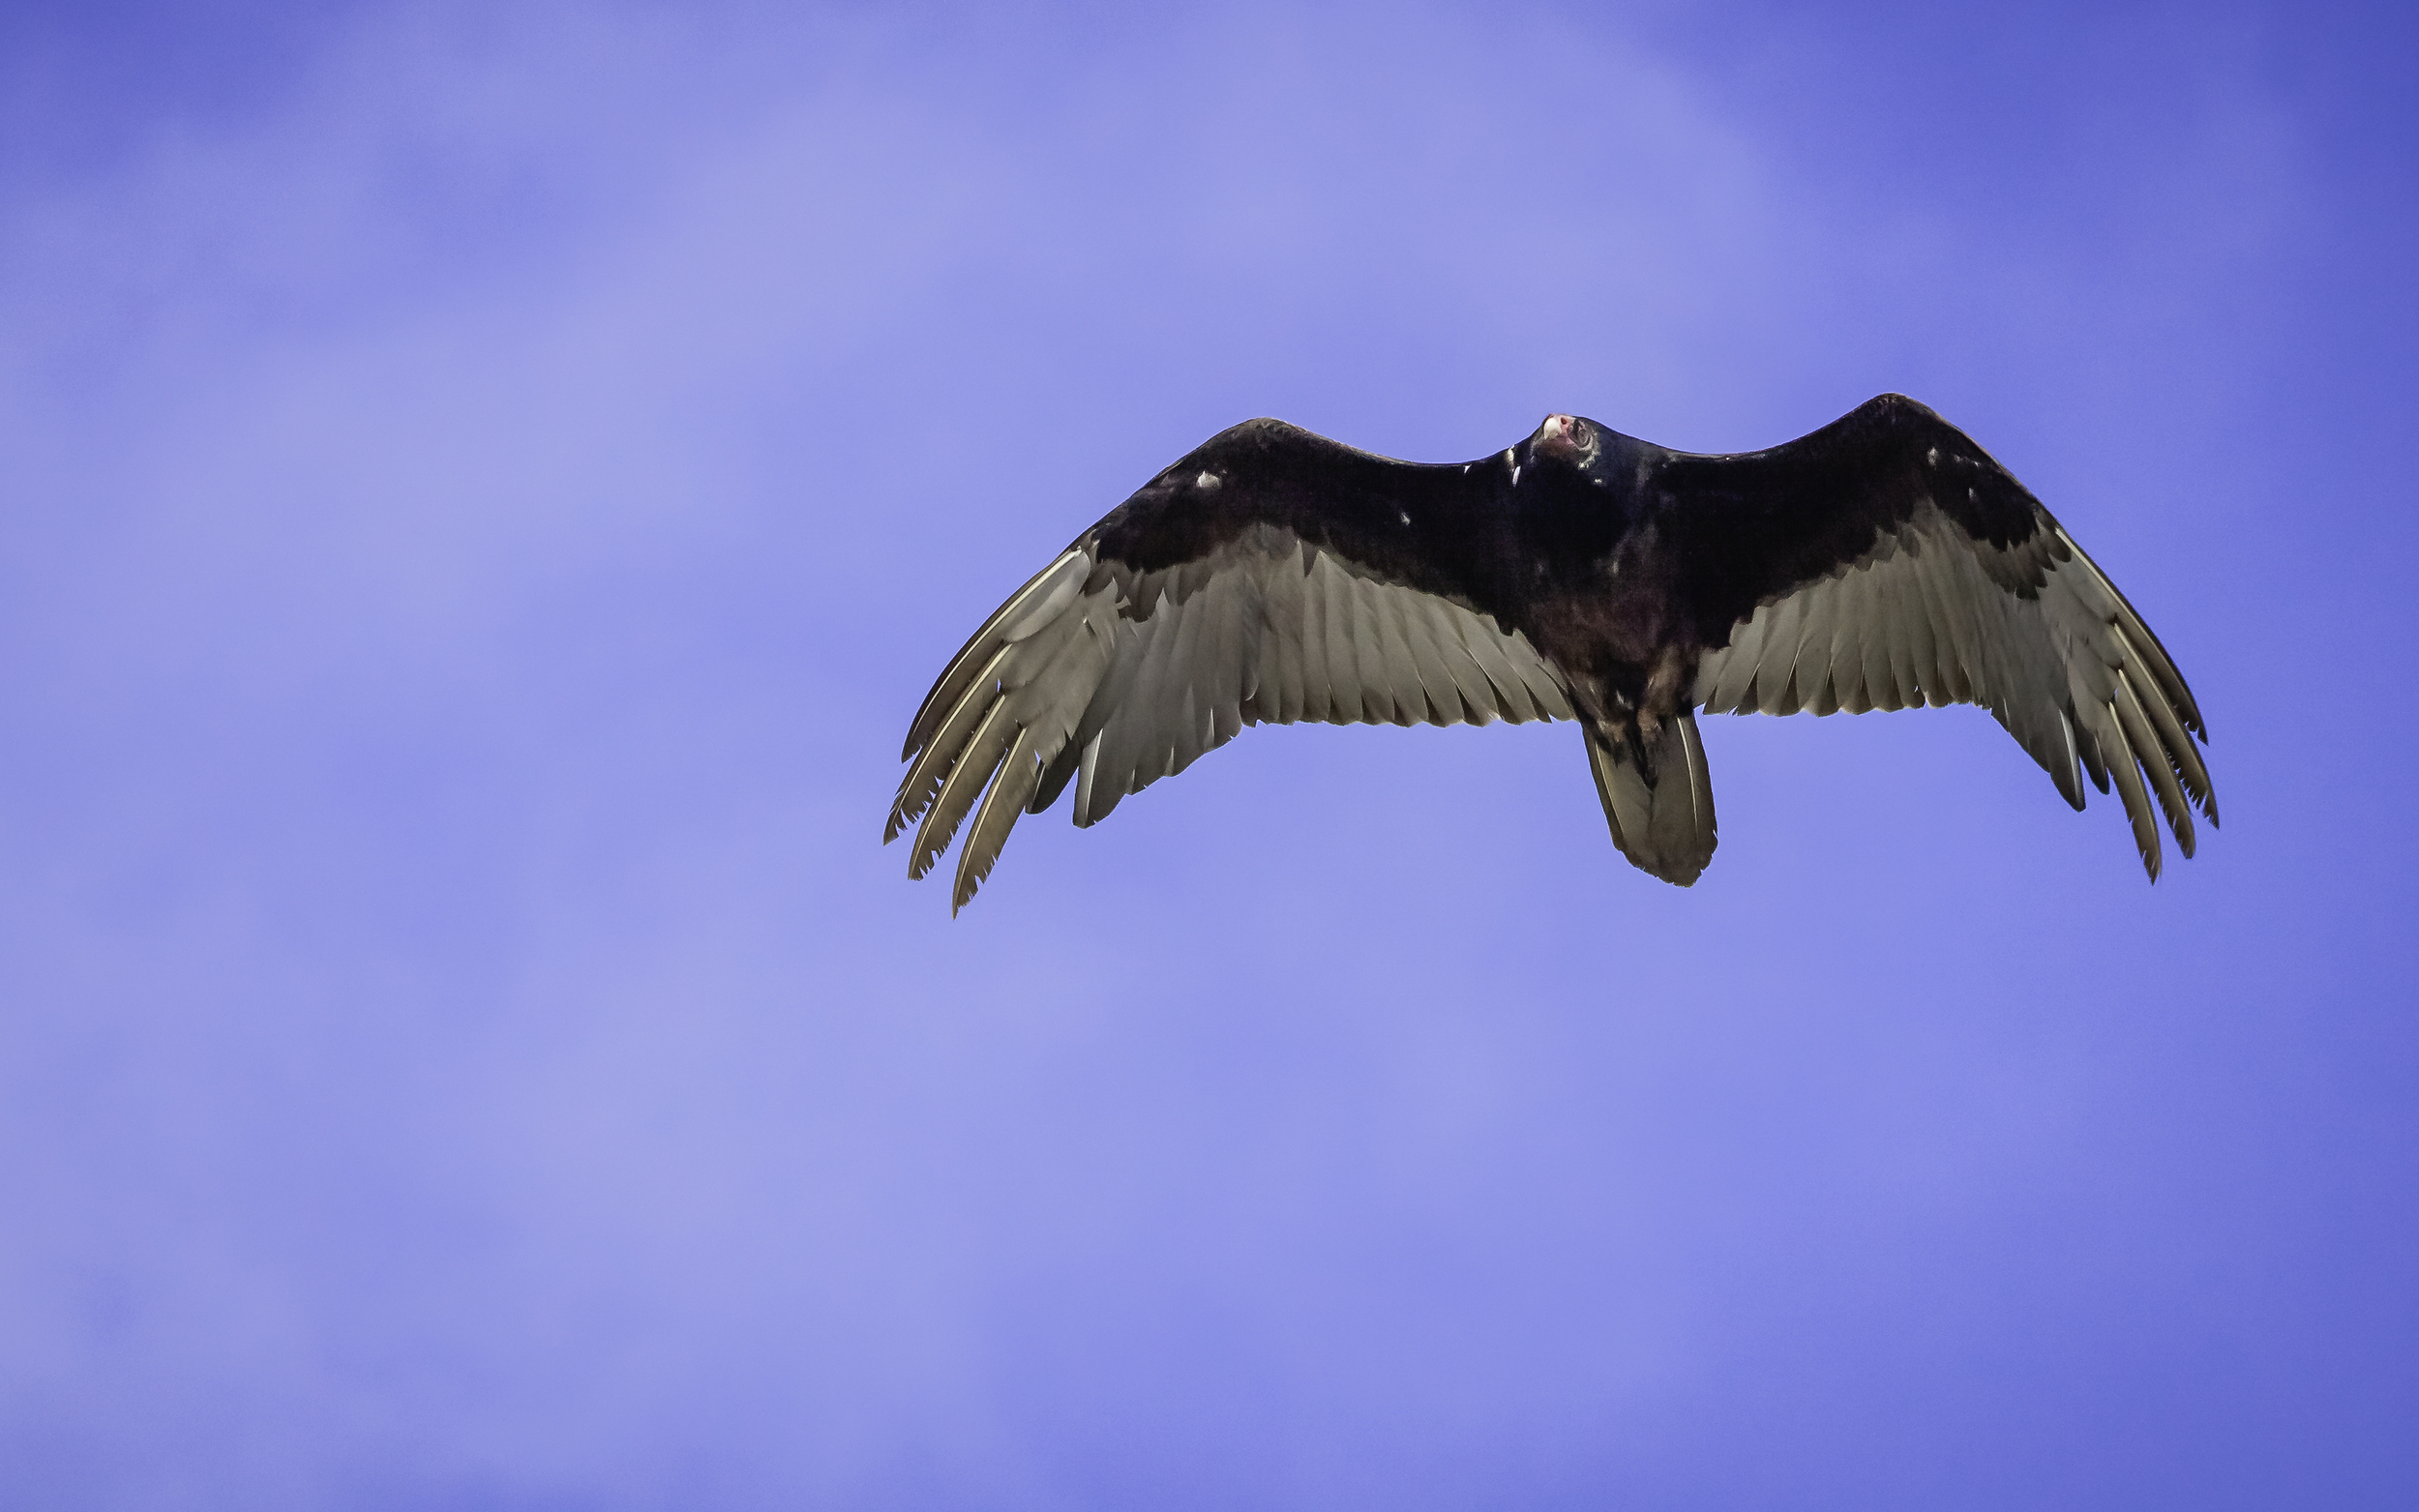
<point x="1406" y="513"/>
<point x="1207" y="483"/>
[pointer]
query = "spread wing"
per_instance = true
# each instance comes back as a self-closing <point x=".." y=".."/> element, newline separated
<point x="1886" y="561"/>
<point x="1272" y="576"/>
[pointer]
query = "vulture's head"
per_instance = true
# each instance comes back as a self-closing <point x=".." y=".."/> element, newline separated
<point x="1569" y="439"/>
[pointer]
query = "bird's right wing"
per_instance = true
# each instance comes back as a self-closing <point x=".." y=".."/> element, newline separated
<point x="1274" y="594"/>
<point x="1886" y="561"/>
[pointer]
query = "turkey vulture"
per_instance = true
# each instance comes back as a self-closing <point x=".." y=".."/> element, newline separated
<point x="1882" y="562"/>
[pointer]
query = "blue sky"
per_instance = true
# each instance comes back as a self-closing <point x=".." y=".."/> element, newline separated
<point x="482" y="490"/>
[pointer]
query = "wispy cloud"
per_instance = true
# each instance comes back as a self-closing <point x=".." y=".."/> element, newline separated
<point x="478" y="507"/>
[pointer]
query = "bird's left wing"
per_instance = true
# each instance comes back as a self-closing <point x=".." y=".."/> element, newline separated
<point x="1270" y="577"/>
<point x="1886" y="561"/>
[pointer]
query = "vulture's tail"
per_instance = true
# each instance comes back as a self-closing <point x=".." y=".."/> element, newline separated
<point x="1659" y="800"/>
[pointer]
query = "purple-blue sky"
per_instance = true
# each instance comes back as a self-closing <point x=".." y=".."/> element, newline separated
<point x="483" y="490"/>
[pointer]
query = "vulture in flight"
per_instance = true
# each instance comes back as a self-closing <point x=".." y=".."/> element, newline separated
<point x="1273" y="576"/>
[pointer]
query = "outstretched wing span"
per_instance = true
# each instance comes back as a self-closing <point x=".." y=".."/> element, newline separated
<point x="1272" y="576"/>
<point x="1886" y="561"/>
